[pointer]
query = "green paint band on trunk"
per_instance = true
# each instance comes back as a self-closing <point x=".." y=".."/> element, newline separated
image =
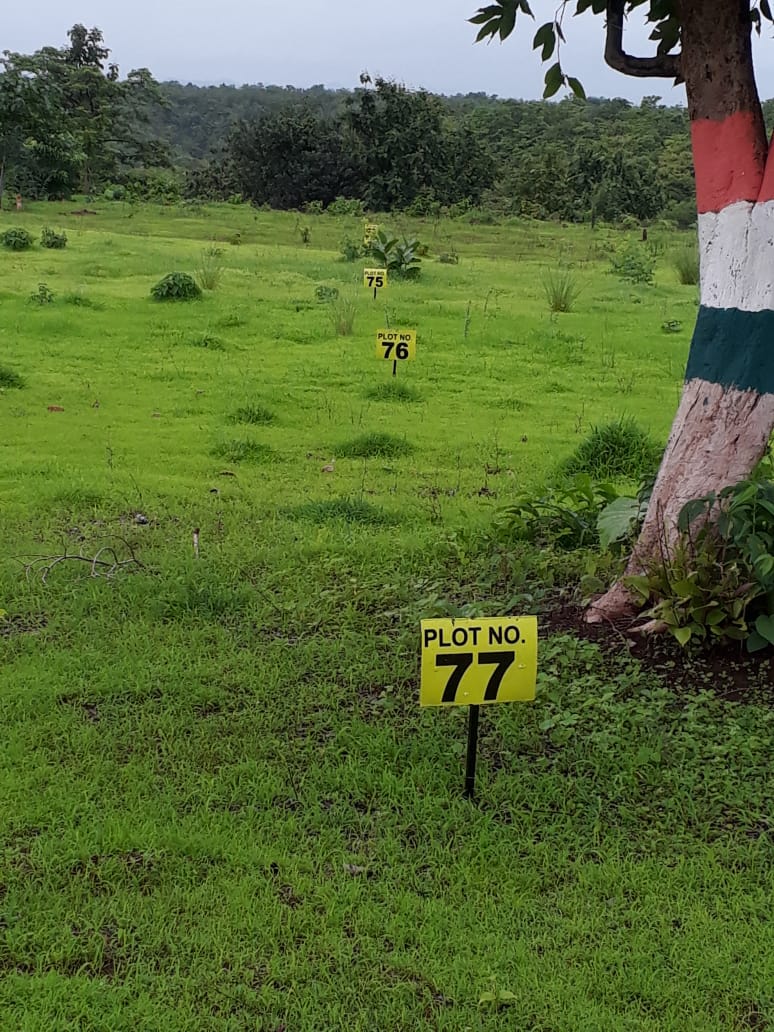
<point x="733" y="349"/>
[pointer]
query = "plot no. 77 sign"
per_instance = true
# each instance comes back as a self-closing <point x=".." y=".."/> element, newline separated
<point x="474" y="662"/>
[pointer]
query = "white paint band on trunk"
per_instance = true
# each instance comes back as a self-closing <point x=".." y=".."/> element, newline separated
<point x="736" y="248"/>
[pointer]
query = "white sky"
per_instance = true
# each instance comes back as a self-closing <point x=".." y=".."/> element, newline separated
<point x="420" y="42"/>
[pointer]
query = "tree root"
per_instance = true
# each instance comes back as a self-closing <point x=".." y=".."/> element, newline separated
<point x="616" y="606"/>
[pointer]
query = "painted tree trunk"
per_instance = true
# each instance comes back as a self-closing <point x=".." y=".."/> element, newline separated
<point x="726" y="414"/>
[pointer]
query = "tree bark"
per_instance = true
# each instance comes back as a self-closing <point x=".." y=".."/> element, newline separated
<point x="726" y="414"/>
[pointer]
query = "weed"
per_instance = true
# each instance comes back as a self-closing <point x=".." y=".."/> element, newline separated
<point x="209" y="341"/>
<point x="51" y="239"/>
<point x="564" y="516"/>
<point x="243" y="450"/>
<point x="80" y="300"/>
<point x="393" y="390"/>
<point x="375" y="445"/>
<point x="634" y="264"/>
<point x="10" y="379"/>
<point x="561" y="290"/>
<point x="346" y="510"/>
<point x="342" y="313"/>
<point x="618" y="449"/>
<point x="42" y="296"/>
<point x="325" y="294"/>
<point x="252" y="413"/>
<point x="176" y="286"/>
<point x="350" y="249"/>
<point x="671" y="326"/>
<point x="209" y="272"/>
<point x="686" y="264"/>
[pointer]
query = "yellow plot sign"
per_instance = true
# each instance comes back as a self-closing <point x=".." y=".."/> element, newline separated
<point x="473" y="662"/>
<point x="374" y="279"/>
<point x="369" y="233"/>
<point x="396" y="344"/>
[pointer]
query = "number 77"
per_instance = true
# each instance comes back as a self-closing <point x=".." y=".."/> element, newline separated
<point x="462" y="661"/>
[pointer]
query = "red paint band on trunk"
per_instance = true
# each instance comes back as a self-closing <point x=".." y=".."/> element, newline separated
<point x="728" y="161"/>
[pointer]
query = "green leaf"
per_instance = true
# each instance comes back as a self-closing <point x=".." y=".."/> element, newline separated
<point x="553" y="80"/>
<point x="508" y="19"/>
<point x="545" y="37"/>
<point x="614" y="523"/>
<point x="577" y="87"/>
<point x="682" y="634"/>
<point x="755" y="642"/>
<point x="764" y="625"/>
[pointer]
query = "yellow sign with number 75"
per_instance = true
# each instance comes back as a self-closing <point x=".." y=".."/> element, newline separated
<point x="477" y="662"/>
<point x="374" y="279"/>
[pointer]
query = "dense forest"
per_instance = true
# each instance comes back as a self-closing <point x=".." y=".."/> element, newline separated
<point x="70" y="123"/>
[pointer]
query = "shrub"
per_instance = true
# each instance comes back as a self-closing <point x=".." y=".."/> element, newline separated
<point x="176" y="286"/>
<point x="686" y="263"/>
<point x="313" y="208"/>
<point x="350" y="249"/>
<point x="16" y="239"/>
<point x="346" y="206"/>
<point x="10" y="379"/>
<point x="375" y="445"/>
<point x="399" y="257"/>
<point x="618" y="449"/>
<point x="634" y="263"/>
<point x="114" y="192"/>
<point x="561" y="290"/>
<point x="51" y="239"/>
<point x="210" y="268"/>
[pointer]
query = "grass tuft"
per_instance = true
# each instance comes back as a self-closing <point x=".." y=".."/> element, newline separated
<point x="561" y="290"/>
<point x="243" y="450"/>
<point x="393" y="390"/>
<point x="10" y="378"/>
<point x="342" y="315"/>
<point x="618" y="449"/>
<point x="254" y="414"/>
<point x="686" y="263"/>
<point x="347" y="510"/>
<point x="209" y="341"/>
<point x="374" y="445"/>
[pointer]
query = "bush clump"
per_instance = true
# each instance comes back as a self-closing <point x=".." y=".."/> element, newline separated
<point x="52" y="240"/>
<point x="614" y="450"/>
<point x="16" y="239"/>
<point x="375" y="445"/>
<point x="9" y="378"/>
<point x="176" y="286"/>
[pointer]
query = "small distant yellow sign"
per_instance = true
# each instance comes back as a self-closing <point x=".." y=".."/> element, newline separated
<point x="476" y="662"/>
<point x="374" y="279"/>
<point x="369" y="233"/>
<point x="396" y="344"/>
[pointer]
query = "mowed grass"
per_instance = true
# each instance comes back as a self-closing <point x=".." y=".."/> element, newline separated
<point x="222" y="808"/>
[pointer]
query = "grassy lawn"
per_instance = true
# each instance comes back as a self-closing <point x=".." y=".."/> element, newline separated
<point x="222" y="808"/>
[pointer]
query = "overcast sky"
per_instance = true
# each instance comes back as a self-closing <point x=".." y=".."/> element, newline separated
<point x="302" y="42"/>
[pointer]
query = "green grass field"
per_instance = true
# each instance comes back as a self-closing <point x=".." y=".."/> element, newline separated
<point x="222" y="808"/>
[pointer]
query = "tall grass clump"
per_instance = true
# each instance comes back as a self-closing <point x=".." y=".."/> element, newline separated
<point x="618" y="449"/>
<point x="686" y="263"/>
<point x="561" y="290"/>
<point x="9" y="378"/>
<point x="393" y="390"/>
<point x="375" y="445"/>
<point x="256" y="415"/>
<point x="345" y="510"/>
<point x="209" y="271"/>
<point x="243" y="451"/>
<point x="342" y="315"/>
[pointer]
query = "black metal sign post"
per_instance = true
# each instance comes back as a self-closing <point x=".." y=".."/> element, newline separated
<point x="470" y="763"/>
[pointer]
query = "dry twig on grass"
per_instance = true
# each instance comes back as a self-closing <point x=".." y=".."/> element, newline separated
<point x="106" y="562"/>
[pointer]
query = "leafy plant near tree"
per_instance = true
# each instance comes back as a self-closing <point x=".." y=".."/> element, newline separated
<point x="401" y="257"/>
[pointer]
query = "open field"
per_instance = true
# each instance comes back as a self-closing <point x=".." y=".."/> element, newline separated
<point x="222" y="808"/>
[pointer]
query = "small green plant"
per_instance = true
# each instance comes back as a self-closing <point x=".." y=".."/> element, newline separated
<point x="254" y="414"/>
<point x="671" y="326"/>
<point x="449" y="258"/>
<point x="565" y="516"/>
<point x="561" y="290"/>
<point x="343" y="311"/>
<point x="617" y="449"/>
<point x="375" y="445"/>
<point x="305" y="235"/>
<point x="634" y="264"/>
<point x="10" y="379"/>
<point x="16" y="239"/>
<point x="326" y="294"/>
<point x="176" y="286"/>
<point x="42" y="296"/>
<point x="394" y="390"/>
<point x="80" y="300"/>
<point x="313" y="208"/>
<point x="346" y="206"/>
<point x="686" y="264"/>
<point x="235" y="239"/>
<point x="243" y="450"/>
<point x="210" y="269"/>
<point x="51" y="239"/>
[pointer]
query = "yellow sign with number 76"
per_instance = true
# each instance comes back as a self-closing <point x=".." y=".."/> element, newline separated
<point x="477" y="662"/>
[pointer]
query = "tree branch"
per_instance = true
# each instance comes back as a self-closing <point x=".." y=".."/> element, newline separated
<point x="667" y="66"/>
